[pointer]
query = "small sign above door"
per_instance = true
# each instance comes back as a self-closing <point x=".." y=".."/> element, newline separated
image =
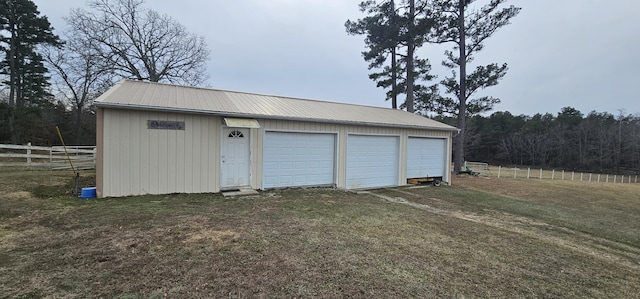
<point x="165" y="125"/>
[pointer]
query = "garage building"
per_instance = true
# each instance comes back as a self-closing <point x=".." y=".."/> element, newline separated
<point x="155" y="138"/>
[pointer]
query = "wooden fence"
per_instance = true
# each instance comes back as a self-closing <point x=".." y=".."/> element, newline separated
<point x="82" y="157"/>
<point x="548" y="174"/>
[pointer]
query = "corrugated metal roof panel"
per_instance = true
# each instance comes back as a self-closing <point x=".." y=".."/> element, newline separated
<point x="158" y="96"/>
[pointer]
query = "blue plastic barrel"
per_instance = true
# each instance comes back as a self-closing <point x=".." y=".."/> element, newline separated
<point x="88" y="192"/>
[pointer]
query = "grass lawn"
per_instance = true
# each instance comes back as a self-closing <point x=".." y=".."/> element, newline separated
<point x="487" y="238"/>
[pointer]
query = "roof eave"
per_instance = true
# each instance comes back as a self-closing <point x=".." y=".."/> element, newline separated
<point x="262" y="116"/>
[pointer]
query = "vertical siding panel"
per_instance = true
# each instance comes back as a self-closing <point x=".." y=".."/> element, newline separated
<point x="196" y="149"/>
<point x="342" y="153"/>
<point x="217" y="150"/>
<point x="99" y="152"/>
<point x="202" y="155"/>
<point x="145" y="153"/>
<point x="107" y="160"/>
<point x="172" y="156"/>
<point x="154" y="157"/>
<point x="106" y="151"/>
<point x="206" y="154"/>
<point x="163" y="145"/>
<point x="214" y="155"/>
<point x="259" y="158"/>
<point x="402" y="174"/>
<point x="136" y="175"/>
<point x="188" y="153"/>
<point x="125" y="157"/>
<point x="114" y="154"/>
<point x="180" y="156"/>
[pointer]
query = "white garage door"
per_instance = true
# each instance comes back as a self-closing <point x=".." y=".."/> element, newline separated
<point x="426" y="157"/>
<point x="298" y="159"/>
<point x="372" y="161"/>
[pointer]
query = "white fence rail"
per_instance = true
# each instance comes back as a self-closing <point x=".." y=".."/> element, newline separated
<point x="529" y="173"/>
<point x="479" y="167"/>
<point x="82" y="157"/>
<point x="547" y="174"/>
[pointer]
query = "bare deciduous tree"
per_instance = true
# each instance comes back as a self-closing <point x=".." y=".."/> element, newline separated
<point x="140" y="43"/>
<point x="80" y="75"/>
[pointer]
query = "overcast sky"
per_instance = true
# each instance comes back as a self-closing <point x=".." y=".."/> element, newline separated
<point x="578" y="53"/>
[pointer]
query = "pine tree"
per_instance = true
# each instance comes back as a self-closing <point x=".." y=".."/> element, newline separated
<point x="392" y="35"/>
<point x="382" y="30"/>
<point x="467" y="30"/>
<point x="22" y="30"/>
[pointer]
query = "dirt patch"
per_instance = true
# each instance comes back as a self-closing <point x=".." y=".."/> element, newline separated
<point x="18" y="195"/>
<point x="212" y="235"/>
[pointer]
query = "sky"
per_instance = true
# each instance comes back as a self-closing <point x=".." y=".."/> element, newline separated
<point x="577" y="53"/>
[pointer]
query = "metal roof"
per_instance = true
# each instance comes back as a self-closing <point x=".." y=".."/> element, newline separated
<point x="129" y="94"/>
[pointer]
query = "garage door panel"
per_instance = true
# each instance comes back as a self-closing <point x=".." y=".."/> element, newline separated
<point x="298" y="159"/>
<point x="372" y="161"/>
<point x="426" y="157"/>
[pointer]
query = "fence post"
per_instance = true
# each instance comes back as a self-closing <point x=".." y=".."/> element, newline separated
<point x="636" y="178"/>
<point x="622" y="179"/>
<point x="553" y="173"/>
<point x="563" y="174"/>
<point x="607" y="179"/>
<point x="515" y="172"/>
<point x="528" y="172"/>
<point x="572" y="175"/>
<point x="614" y="178"/>
<point x="598" y="178"/>
<point x="499" y="167"/>
<point x="590" y="177"/>
<point x="540" y="173"/>
<point x="29" y="153"/>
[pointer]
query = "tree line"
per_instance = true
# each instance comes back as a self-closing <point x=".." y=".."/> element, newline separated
<point x="49" y="80"/>
<point x="596" y="142"/>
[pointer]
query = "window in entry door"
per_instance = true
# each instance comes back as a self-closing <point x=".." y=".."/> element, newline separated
<point x="235" y="134"/>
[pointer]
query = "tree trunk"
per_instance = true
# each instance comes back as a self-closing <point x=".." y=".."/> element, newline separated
<point x="78" y="124"/>
<point x="462" y="96"/>
<point x="12" y="125"/>
<point x="12" y="79"/>
<point x="394" y="80"/>
<point x="410" y="49"/>
<point x="394" y="63"/>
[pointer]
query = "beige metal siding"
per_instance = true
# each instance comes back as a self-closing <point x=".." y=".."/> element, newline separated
<point x="137" y="160"/>
<point x="99" y="151"/>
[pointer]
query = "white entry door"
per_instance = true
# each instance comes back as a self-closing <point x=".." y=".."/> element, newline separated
<point x="234" y="160"/>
